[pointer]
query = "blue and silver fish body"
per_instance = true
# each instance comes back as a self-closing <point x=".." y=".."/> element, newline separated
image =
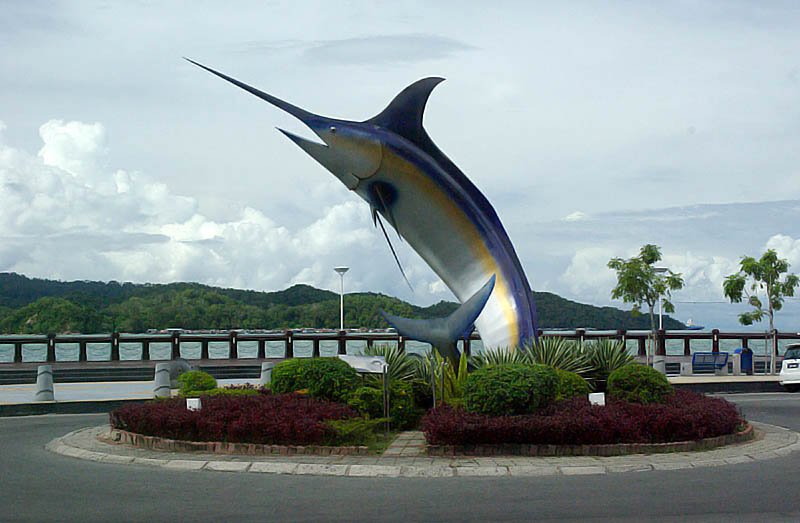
<point x="391" y="163"/>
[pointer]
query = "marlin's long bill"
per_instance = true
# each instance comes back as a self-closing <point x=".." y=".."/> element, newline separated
<point x="391" y="163"/>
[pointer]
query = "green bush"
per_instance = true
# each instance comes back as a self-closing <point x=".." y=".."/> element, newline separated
<point x="328" y="378"/>
<point x="637" y="383"/>
<point x="402" y="410"/>
<point x="368" y="401"/>
<point x="225" y="391"/>
<point x="403" y="413"/>
<point x="195" y="381"/>
<point x="500" y="390"/>
<point x="570" y="385"/>
<point x="423" y="395"/>
<point x="354" y="431"/>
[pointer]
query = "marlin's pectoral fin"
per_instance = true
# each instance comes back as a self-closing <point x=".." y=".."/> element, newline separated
<point x="443" y="333"/>
<point x="376" y="218"/>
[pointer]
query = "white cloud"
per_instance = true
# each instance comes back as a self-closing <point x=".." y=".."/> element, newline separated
<point x="587" y="274"/>
<point x="438" y="287"/>
<point x="74" y="147"/>
<point x="64" y="216"/>
<point x="576" y="216"/>
<point x="786" y="247"/>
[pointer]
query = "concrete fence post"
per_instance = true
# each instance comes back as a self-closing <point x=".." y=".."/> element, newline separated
<point x="737" y="364"/>
<point x="660" y="353"/>
<point x="44" y="383"/>
<point x="161" y="384"/>
<point x="266" y="373"/>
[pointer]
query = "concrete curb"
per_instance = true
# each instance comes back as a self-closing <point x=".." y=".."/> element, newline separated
<point x="771" y="442"/>
<point x="220" y="447"/>
<point x="619" y="449"/>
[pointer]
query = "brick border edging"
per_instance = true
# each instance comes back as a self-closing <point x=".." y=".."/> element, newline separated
<point x="222" y="447"/>
<point x="619" y="449"/>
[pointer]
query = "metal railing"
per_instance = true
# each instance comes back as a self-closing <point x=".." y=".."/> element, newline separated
<point x="284" y="344"/>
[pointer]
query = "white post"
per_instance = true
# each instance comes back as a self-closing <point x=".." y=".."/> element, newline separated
<point x="341" y="271"/>
<point x="44" y="383"/>
<point x="266" y="373"/>
<point x="737" y="364"/>
<point x="660" y="271"/>
<point x="341" y="302"/>
<point x="161" y="381"/>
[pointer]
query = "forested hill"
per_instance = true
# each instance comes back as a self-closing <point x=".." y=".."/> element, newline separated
<point x="38" y="306"/>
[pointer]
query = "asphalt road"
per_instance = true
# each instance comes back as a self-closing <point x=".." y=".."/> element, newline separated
<point x="36" y="485"/>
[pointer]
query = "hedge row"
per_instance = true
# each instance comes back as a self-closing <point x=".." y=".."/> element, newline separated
<point x="685" y="416"/>
<point x="285" y="419"/>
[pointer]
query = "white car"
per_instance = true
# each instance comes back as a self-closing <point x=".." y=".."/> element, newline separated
<point x="790" y="369"/>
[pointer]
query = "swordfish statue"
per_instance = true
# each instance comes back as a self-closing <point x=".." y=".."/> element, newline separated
<point x="391" y="163"/>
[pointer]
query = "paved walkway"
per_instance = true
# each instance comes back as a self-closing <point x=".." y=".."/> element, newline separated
<point x="92" y="391"/>
<point x="406" y="457"/>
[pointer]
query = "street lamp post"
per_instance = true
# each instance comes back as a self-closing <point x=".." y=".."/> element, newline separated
<point x="659" y="363"/>
<point x="341" y="271"/>
<point x="660" y="270"/>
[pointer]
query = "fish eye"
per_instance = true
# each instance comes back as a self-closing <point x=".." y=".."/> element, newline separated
<point x="333" y="129"/>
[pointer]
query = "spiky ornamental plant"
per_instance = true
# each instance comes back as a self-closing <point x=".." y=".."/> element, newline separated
<point x="605" y="356"/>
<point x="764" y="277"/>
<point x="556" y="352"/>
<point x="402" y="366"/>
<point x="499" y="357"/>
<point x="559" y="353"/>
<point x="639" y="283"/>
<point x="448" y="380"/>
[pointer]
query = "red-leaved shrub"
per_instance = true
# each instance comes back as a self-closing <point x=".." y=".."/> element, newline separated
<point x="280" y="419"/>
<point x="686" y="416"/>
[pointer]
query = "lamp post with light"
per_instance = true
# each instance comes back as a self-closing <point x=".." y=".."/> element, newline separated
<point x="659" y="362"/>
<point x="341" y="271"/>
<point x="659" y="271"/>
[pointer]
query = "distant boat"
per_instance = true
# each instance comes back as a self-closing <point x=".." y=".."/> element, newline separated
<point x="690" y="326"/>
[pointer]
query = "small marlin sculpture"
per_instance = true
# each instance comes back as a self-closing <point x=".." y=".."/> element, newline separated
<point x="391" y="162"/>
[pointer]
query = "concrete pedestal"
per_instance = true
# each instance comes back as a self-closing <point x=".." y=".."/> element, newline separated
<point x="44" y="384"/>
<point x="686" y="368"/>
<point x="161" y="384"/>
<point x="266" y="373"/>
<point x="737" y="364"/>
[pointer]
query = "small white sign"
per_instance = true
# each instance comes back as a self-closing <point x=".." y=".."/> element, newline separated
<point x="369" y="364"/>
<point x="597" y="398"/>
<point x="193" y="404"/>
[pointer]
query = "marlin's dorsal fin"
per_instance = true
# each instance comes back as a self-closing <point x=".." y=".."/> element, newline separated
<point x="443" y="333"/>
<point x="403" y="115"/>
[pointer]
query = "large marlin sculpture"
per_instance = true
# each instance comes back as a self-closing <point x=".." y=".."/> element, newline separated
<point x="390" y="162"/>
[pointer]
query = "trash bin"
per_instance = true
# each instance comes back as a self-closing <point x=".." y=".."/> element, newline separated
<point x="747" y="360"/>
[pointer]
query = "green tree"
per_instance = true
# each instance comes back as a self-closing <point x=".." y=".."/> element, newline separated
<point x="640" y="283"/>
<point x="764" y="277"/>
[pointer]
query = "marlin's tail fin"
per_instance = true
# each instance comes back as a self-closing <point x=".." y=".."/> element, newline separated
<point x="443" y="333"/>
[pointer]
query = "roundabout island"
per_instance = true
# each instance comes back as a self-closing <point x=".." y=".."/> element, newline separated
<point x="88" y="479"/>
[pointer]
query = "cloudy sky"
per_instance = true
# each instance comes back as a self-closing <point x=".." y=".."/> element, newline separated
<point x="592" y="128"/>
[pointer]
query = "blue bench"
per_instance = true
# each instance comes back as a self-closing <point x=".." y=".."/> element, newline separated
<point x="709" y="361"/>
